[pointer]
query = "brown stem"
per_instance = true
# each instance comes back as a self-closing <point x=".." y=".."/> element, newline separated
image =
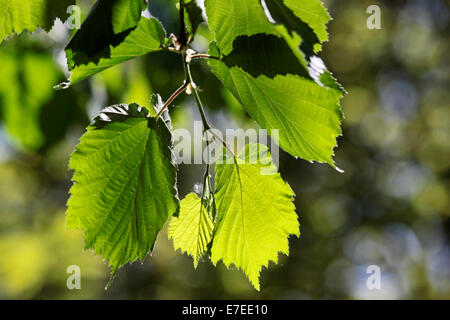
<point x="171" y="98"/>
<point x="204" y="56"/>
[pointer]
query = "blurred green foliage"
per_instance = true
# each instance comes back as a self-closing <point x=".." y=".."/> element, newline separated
<point x="390" y="208"/>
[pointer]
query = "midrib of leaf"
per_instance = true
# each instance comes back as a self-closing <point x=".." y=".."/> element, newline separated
<point x="201" y="219"/>
<point x="200" y="222"/>
<point x="127" y="230"/>
<point x="107" y="215"/>
<point x="250" y="177"/>
<point x="242" y="205"/>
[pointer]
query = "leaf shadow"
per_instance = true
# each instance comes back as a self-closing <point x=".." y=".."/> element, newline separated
<point x="283" y="15"/>
<point x="88" y="46"/>
<point x="264" y="54"/>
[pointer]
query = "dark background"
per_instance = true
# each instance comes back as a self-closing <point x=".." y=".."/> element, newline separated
<point x="390" y="208"/>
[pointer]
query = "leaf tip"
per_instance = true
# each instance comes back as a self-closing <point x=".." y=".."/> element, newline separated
<point x="62" y="86"/>
<point x="111" y="279"/>
<point x="339" y="169"/>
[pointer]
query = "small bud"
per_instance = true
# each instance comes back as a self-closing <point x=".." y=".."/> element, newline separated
<point x="189" y="89"/>
<point x="175" y="42"/>
<point x="189" y="53"/>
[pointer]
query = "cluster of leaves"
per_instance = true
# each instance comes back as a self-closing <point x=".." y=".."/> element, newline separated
<point x="124" y="191"/>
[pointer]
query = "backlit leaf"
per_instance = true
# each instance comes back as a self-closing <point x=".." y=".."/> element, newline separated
<point x="254" y="220"/>
<point x="191" y="231"/>
<point x="124" y="183"/>
<point x="114" y="32"/>
<point x="307" y="115"/>
<point x="17" y="16"/>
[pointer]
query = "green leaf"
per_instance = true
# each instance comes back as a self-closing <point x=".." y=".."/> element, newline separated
<point x="264" y="54"/>
<point x="124" y="183"/>
<point x="306" y="114"/>
<point x="18" y="16"/>
<point x="294" y="20"/>
<point x="300" y="24"/>
<point x="193" y="16"/>
<point x="254" y="221"/>
<point x="193" y="13"/>
<point x="232" y="18"/>
<point x="192" y="230"/>
<point x="268" y="62"/>
<point x="96" y="35"/>
<point x="313" y="13"/>
<point x="96" y="46"/>
<point x="147" y="37"/>
<point x="126" y="14"/>
<point x="307" y="18"/>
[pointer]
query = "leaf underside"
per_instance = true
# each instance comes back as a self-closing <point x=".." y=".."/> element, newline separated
<point x="191" y="231"/>
<point x="307" y="115"/>
<point x="122" y="33"/>
<point x="124" y="183"/>
<point x="126" y="14"/>
<point x="253" y="222"/>
<point x="255" y="43"/>
<point x="124" y="178"/>
<point x="18" y="16"/>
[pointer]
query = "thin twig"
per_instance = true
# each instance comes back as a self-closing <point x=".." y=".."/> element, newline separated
<point x="203" y="56"/>
<point x="171" y="98"/>
<point x="206" y="125"/>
